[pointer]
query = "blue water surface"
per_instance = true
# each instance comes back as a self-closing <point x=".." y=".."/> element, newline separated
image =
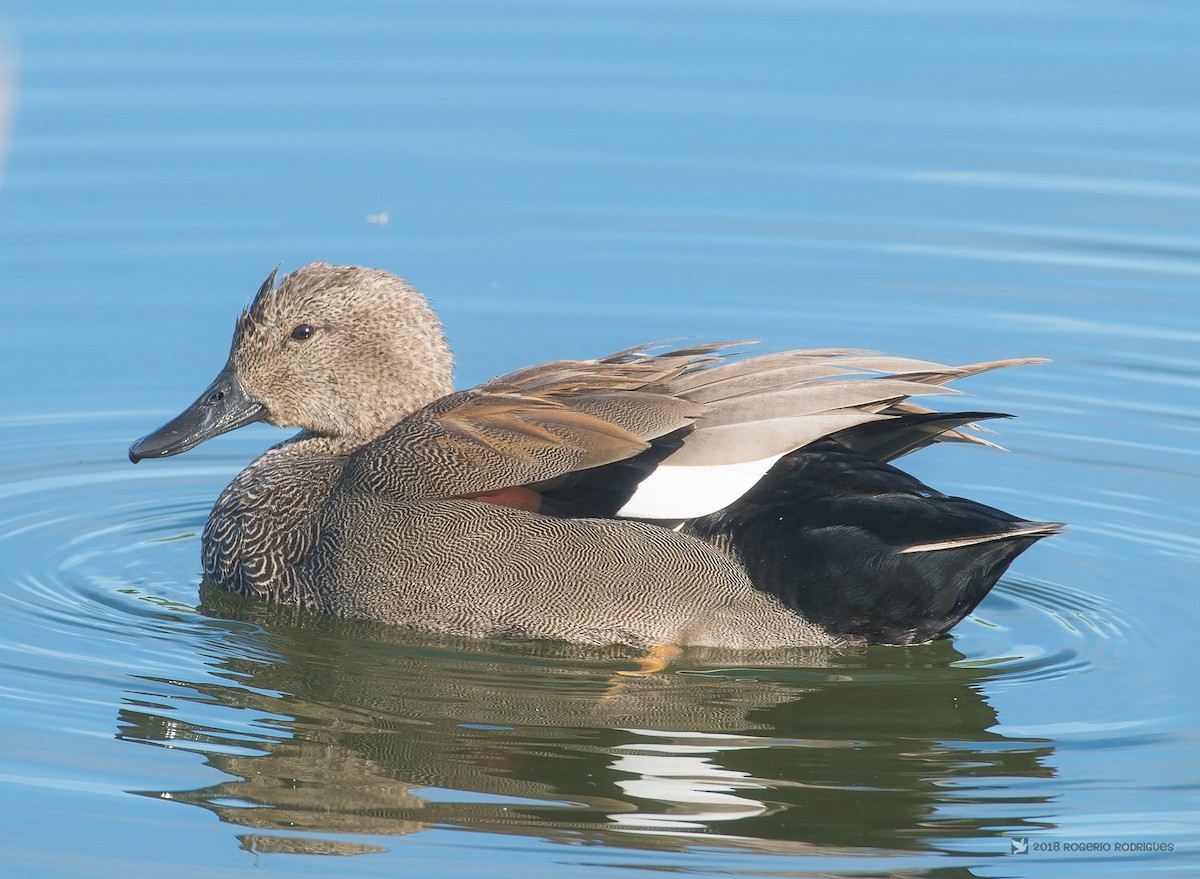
<point x="950" y="181"/>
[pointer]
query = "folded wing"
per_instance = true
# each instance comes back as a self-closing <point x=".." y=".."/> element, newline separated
<point x="665" y="436"/>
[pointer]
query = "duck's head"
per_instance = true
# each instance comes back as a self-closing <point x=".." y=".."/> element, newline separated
<point x="342" y="351"/>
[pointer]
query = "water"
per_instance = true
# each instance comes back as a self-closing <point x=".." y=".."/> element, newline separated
<point x="948" y="181"/>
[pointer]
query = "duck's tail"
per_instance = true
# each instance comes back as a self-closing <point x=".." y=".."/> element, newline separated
<point x="865" y="550"/>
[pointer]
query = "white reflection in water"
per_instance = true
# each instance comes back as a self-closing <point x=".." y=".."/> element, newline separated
<point x="684" y="775"/>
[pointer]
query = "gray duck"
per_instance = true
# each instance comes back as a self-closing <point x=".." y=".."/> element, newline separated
<point x="658" y="499"/>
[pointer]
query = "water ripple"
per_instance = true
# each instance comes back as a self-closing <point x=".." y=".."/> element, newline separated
<point x="1062" y="183"/>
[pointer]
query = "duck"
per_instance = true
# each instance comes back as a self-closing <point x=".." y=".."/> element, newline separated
<point x="658" y="498"/>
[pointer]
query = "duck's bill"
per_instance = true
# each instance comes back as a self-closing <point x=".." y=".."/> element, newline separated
<point x="224" y="406"/>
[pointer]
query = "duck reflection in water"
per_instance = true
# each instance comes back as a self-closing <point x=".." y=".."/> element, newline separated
<point x="364" y="729"/>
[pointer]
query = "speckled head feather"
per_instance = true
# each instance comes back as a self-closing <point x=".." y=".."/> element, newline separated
<point x="342" y="351"/>
<point x="266" y="287"/>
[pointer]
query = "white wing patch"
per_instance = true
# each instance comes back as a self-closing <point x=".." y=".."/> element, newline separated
<point x="685" y="492"/>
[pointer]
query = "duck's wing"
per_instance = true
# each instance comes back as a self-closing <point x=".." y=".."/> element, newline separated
<point x="532" y="425"/>
<point x="759" y="409"/>
<point x="665" y="436"/>
<point x="755" y="406"/>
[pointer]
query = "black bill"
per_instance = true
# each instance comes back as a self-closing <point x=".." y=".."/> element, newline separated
<point x="224" y="406"/>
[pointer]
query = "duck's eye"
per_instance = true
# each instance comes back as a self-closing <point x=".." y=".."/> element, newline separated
<point x="302" y="332"/>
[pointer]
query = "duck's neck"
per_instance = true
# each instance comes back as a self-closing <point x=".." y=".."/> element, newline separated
<point x="410" y="380"/>
<point x="307" y="443"/>
<point x="372" y="416"/>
